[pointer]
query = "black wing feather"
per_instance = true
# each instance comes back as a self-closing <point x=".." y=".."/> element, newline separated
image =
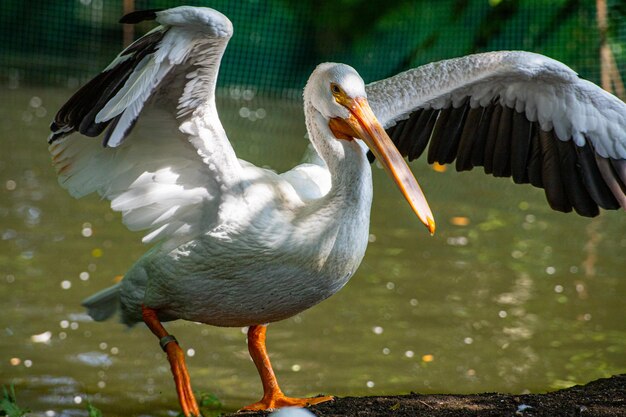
<point x="574" y="188"/>
<point x="438" y="134"/>
<point x="140" y="16"/>
<point x="491" y="139"/>
<point x="424" y="136"/>
<point x="592" y="178"/>
<point x="79" y="113"/>
<point x="507" y="144"/>
<point x="478" y="151"/>
<point x="466" y="141"/>
<point x="452" y="134"/>
<point x="502" y="151"/>
<point x="535" y="162"/>
<point x="416" y="147"/>
<point x="521" y="131"/>
<point x="405" y="133"/>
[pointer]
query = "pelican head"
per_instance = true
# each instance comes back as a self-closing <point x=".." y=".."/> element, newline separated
<point x="327" y="81"/>
<point x="337" y="92"/>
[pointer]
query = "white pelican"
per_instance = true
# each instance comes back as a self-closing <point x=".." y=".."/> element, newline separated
<point x="238" y="245"/>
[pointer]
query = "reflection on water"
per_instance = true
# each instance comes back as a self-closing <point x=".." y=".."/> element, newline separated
<point x="507" y="296"/>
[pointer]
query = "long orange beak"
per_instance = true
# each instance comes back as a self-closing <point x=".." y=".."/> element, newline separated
<point x="362" y="124"/>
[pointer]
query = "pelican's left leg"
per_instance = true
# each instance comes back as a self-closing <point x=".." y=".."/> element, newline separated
<point x="273" y="397"/>
<point x="176" y="357"/>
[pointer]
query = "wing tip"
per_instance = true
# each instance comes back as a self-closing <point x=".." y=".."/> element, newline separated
<point x="58" y="131"/>
<point x="139" y="16"/>
<point x="53" y="137"/>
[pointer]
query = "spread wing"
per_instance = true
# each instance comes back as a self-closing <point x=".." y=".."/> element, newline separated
<point x="168" y="179"/>
<point x="517" y="114"/>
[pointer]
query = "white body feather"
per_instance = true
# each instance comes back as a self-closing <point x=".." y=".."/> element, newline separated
<point x="270" y="256"/>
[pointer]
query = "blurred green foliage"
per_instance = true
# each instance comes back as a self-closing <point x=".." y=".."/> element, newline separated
<point x="93" y="411"/>
<point x="8" y="404"/>
<point x="278" y="42"/>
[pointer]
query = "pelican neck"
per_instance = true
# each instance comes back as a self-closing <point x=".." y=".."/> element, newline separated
<point x="345" y="159"/>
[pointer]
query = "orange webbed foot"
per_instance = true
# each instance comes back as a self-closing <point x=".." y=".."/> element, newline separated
<point x="279" y="401"/>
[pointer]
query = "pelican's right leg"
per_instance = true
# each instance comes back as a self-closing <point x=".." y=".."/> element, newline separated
<point x="273" y="396"/>
<point x="176" y="357"/>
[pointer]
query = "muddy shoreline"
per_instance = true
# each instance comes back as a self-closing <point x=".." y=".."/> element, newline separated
<point x="601" y="398"/>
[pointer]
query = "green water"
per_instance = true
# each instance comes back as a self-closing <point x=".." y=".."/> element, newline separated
<point x="520" y="299"/>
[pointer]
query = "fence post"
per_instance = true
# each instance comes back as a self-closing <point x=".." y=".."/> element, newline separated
<point x="129" y="30"/>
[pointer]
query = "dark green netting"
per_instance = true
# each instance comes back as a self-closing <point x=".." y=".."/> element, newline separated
<point x="278" y="42"/>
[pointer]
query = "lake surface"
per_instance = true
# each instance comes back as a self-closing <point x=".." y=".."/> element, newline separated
<point x="507" y="296"/>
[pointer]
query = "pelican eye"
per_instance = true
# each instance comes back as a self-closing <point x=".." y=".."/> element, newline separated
<point x="335" y="88"/>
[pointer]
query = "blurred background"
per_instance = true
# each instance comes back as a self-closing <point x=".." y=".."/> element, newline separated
<point x="507" y="296"/>
<point x="278" y="42"/>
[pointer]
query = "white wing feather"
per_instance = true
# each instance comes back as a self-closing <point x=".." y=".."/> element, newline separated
<point x="549" y="92"/>
<point x="168" y="184"/>
<point x="157" y="182"/>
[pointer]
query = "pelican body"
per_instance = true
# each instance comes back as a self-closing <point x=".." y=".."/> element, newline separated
<point x="239" y="245"/>
<point x="272" y="255"/>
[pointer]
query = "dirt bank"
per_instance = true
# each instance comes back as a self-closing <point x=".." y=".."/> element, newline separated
<point x="601" y="398"/>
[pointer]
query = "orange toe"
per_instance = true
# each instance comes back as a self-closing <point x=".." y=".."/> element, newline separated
<point x="279" y="401"/>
